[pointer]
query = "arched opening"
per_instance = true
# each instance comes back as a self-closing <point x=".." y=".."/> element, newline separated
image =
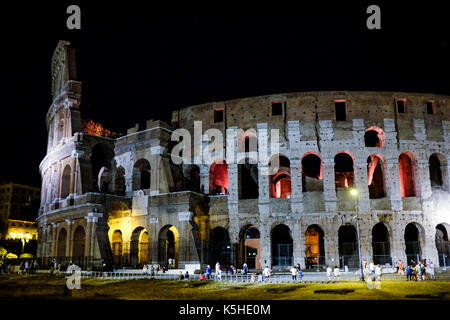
<point x="193" y="181"/>
<point x="218" y="177"/>
<point x="62" y="240"/>
<point x="280" y="177"/>
<point x="139" y="246"/>
<point x="247" y="141"/>
<point x="375" y="168"/>
<point x="219" y="247"/>
<point x="119" y="183"/>
<point x="104" y="179"/>
<point x="312" y="176"/>
<point x="79" y="240"/>
<point x="407" y="175"/>
<point x="117" y="248"/>
<point x="248" y="180"/>
<point x="168" y="243"/>
<point x="343" y="170"/>
<point x="65" y="182"/>
<point x="141" y="175"/>
<point x="374" y="137"/>
<point x="442" y="245"/>
<point x="380" y="244"/>
<point x="282" y="246"/>
<point x="250" y="247"/>
<point x="435" y="171"/>
<point x="412" y="243"/>
<point x="348" y="246"/>
<point x="101" y="157"/>
<point x="315" y="247"/>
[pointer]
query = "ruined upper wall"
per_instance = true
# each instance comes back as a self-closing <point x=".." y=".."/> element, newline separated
<point x="309" y="107"/>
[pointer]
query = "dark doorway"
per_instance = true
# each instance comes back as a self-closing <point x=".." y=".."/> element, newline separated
<point x="282" y="249"/>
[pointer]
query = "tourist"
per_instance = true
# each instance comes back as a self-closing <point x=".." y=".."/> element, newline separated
<point x="253" y="279"/>
<point x="421" y="271"/>
<point x="202" y="276"/>
<point x="372" y="268"/>
<point x="245" y="268"/>
<point x="378" y="272"/>
<point x="186" y="275"/>
<point x="218" y="274"/>
<point x="397" y="266"/>
<point x="329" y="272"/>
<point x="152" y="271"/>
<point x="231" y="270"/>
<point x="300" y="275"/>
<point x="266" y="273"/>
<point x="217" y="266"/>
<point x="144" y="270"/>
<point x="337" y="273"/>
<point x="430" y="270"/>
<point x="409" y="273"/>
<point x="294" y="272"/>
<point x="180" y="275"/>
<point x="208" y="272"/>
<point x="401" y="267"/>
<point x="260" y="277"/>
<point x="170" y="263"/>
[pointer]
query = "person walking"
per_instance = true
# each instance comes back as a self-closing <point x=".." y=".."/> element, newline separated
<point x="208" y="272"/>
<point x="217" y="266"/>
<point x="244" y="266"/>
<point x="378" y="272"/>
<point x="430" y="270"/>
<point x="186" y="275"/>
<point x="329" y="273"/>
<point x="294" y="272"/>
<point x="337" y="273"/>
<point x="300" y="275"/>
<point x="170" y="263"/>
<point x="219" y="274"/>
<point x="266" y="273"/>
<point x="409" y="273"/>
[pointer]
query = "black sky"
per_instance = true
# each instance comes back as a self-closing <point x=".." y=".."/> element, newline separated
<point x="138" y="62"/>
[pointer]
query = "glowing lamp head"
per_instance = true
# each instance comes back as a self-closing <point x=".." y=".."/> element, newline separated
<point x="354" y="192"/>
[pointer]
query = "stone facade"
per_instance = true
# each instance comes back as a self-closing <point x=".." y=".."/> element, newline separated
<point x="93" y="187"/>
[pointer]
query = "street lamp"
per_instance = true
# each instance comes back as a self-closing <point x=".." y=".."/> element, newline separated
<point x="354" y="193"/>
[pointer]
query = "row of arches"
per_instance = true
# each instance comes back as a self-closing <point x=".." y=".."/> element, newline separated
<point x="282" y="245"/>
<point x="78" y="243"/>
<point x="373" y="137"/>
<point x="280" y="180"/>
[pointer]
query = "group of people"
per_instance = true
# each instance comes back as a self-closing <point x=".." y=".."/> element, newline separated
<point x="296" y="272"/>
<point x="25" y="267"/>
<point x="416" y="271"/>
<point x="334" y="273"/>
<point x="371" y="271"/>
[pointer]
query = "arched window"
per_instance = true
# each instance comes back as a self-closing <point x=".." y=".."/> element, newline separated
<point x="65" y="181"/>
<point x="407" y="175"/>
<point x="280" y="178"/>
<point x="435" y="171"/>
<point x="343" y="170"/>
<point x="247" y="141"/>
<point x="374" y="137"/>
<point x="282" y="246"/>
<point x="348" y="246"/>
<point x="312" y="176"/>
<point x="315" y="248"/>
<point x="375" y="171"/>
<point x="218" y="177"/>
<point x="141" y="175"/>
<point x="248" y="180"/>
<point x="101" y="157"/>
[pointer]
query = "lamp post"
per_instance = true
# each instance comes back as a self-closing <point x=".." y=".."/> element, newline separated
<point x="354" y="193"/>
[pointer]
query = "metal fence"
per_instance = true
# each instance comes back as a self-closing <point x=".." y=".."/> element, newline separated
<point x="275" y="278"/>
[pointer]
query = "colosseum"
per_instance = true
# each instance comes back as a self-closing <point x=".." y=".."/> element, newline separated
<point x="364" y="170"/>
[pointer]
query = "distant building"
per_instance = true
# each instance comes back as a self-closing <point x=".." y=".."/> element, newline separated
<point x="19" y="206"/>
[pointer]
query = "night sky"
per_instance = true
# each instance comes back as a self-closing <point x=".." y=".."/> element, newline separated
<point x="140" y="62"/>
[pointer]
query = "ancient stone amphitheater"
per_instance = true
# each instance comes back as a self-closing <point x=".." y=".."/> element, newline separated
<point x="121" y="199"/>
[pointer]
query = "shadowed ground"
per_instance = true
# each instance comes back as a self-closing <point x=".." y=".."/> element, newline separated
<point x="44" y="287"/>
